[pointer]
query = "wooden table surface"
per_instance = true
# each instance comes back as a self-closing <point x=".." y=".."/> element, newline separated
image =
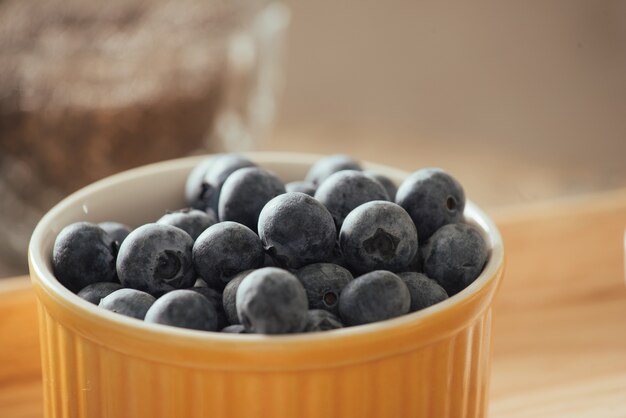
<point x="560" y="321"/>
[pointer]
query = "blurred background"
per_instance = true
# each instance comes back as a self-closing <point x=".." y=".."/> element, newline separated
<point x="521" y="101"/>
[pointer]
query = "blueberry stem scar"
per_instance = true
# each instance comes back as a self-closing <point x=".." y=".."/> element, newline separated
<point x="382" y="243"/>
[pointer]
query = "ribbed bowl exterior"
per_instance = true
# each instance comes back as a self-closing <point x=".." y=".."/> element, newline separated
<point x="430" y="364"/>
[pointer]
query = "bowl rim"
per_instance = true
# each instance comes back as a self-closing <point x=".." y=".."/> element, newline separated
<point x="41" y="274"/>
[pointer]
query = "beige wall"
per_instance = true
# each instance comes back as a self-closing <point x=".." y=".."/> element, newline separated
<point x="540" y="80"/>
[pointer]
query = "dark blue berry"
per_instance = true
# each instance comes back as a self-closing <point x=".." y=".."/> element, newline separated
<point x="215" y="298"/>
<point x="229" y="297"/>
<point x="244" y="194"/>
<point x="96" y="291"/>
<point x="224" y="250"/>
<point x="378" y="236"/>
<point x="417" y="264"/>
<point x="269" y="261"/>
<point x="387" y="183"/>
<point x="129" y="302"/>
<point x="345" y="190"/>
<point x="424" y="291"/>
<point x="337" y="256"/>
<point x="375" y="296"/>
<point x="272" y="301"/>
<point x="455" y="256"/>
<point x="184" y="309"/>
<point x="297" y="230"/>
<point x="433" y="198"/>
<point x="219" y="170"/>
<point x="301" y="187"/>
<point x="192" y="221"/>
<point x="195" y="187"/>
<point x="323" y="283"/>
<point x="83" y="254"/>
<point x="156" y="258"/>
<point x="321" y="320"/>
<point x="327" y="166"/>
<point x="200" y="283"/>
<point x="116" y="230"/>
<point x="235" y="329"/>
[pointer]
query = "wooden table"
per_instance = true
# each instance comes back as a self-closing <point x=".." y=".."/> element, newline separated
<point x="560" y="322"/>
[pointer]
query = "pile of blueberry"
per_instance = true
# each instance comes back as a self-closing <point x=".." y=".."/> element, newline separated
<point x="253" y="255"/>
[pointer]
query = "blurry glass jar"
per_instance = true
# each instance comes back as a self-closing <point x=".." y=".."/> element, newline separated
<point x="90" y="88"/>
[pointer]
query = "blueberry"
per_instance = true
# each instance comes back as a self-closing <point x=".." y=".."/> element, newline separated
<point x="229" y="297"/>
<point x="302" y="187"/>
<point x="96" y="291"/>
<point x="297" y="230"/>
<point x="200" y="283"/>
<point x="156" y="258"/>
<point x="272" y="301"/>
<point x="337" y="256"/>
<point x="235" y="329"/>
<point x="455" y="256"/>
<point x="417" y="264"/>
<point x="192" y="221"/>
<point x="244" y="194"/>
<point x="116" y="230"/>
<point x="321" y="320"/>
<point x="375" y="296"/>
<point x="433" y="198"/>
<point x="129" y="302"/>
<point x="345" y="190"/>
<point x="195" y="187"/>
<point x="224" y="250"/>
<point x="378" y="236"/>
<point x="219" y="170"/>
<point x="269" y="261"/>
<point x="424" y="291"/>
<point x="386" y="182"/>
<point x="324" y="167"/>
<point x="215" y="298"/>
<point x="83" y="254"/>
<point x="323" y="283"/>
<point x="185" y="309"/>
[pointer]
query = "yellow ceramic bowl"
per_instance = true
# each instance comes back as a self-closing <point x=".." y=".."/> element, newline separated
<point x="430" y="364"/>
